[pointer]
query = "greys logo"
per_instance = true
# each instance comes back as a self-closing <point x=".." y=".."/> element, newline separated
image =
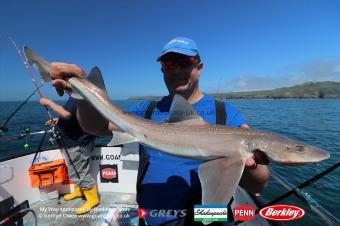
<point x="161" y="213"/>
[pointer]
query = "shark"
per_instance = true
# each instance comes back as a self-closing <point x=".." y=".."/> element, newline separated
<point x="222" y="149"/>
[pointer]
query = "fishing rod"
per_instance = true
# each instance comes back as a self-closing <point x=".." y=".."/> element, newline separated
<point x="313" y="204"/>
<point x="305" y="184"/>
<point x="4" y="128"/>
<point x="296" y="190"/>
<point x="55" y="136"/>
<point x="25" y="133"/>
<point x="28" y="69"/>
<point x="21" y="213"/>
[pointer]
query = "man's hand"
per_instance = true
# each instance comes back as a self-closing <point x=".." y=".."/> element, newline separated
<point x="60" y="71"/>
<point x="256" y="173"/>
<point x="52" y="122"/>
<point x="258" y="158"/>
<point x="44" y="101"/>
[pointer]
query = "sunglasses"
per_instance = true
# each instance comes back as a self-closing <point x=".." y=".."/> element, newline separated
<point x="185" y="62"/>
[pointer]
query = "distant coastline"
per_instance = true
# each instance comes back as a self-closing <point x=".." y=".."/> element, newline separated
<point x="309" y="90"/>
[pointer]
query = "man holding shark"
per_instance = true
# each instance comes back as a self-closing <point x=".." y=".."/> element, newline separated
<point x="165" y="181"/>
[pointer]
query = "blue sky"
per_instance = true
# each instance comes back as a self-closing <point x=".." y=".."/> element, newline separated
<point x="245" y="45"/>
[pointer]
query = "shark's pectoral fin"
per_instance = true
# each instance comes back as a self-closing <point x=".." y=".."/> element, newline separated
<point x="121" y="138"/>
<point x="219" y="179"/>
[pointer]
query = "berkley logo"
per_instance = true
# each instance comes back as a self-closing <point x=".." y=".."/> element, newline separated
<point x="244" y="213"/>
<point x="109" y="173"/>
<point x="282" y="212"/>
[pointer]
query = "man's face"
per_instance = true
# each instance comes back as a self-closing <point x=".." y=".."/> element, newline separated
<point x="181" y="73"/>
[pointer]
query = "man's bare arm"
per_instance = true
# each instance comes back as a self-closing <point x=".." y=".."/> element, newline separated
<point x="61" y="112"/>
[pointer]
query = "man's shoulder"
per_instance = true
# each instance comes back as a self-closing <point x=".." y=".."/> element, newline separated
<point x="227" y="103"/>
<point x="139" y="107"/>
<point x="206" y="100"/>
<point x="210" y="102"/>
<point x="233" y="114"/>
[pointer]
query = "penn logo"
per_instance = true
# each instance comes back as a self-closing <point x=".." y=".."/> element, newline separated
<point x="109" y="173"/>
<point x="244" y="213"/>
<point x="282" y="212"/>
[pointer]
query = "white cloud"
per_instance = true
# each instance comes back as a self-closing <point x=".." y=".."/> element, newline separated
<point x="322" y="70"/>
<point x="313" y="71"/>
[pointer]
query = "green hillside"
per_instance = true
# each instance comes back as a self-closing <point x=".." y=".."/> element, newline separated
<point x="306" y="90"/>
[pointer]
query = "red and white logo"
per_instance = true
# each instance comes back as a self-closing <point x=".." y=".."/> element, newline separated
<point x="282" y="212"/>
<point x="109" y="173"/>
<point x="244" y="213"/>
<point x="142" y="213"/>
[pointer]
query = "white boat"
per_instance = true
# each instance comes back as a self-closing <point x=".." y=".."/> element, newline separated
<point x="117" y="198"/>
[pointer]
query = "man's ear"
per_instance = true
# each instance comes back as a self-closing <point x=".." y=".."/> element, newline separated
<point x="200" y="66"/>
<point x="162" y="70"/>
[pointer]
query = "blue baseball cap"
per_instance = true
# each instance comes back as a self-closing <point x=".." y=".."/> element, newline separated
<point x="180" y="45"/>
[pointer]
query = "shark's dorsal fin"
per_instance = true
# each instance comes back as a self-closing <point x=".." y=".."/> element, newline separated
<point x="191" y="122"/>
<point x="95" y="76"/>
<point x="181" y="110"/>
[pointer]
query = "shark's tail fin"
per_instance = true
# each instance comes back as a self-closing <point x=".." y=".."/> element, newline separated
<point x="39" y="63"/>
<point x="43" y="66"/>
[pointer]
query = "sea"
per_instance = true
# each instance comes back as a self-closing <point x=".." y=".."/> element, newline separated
<point x="313" y="121"/>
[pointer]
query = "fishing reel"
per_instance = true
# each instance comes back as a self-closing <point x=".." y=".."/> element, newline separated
<point x="3" y="128"/>
<point x="54" y="136"/>
<point x="25" y="133"/>
<point x="26" y="130"/>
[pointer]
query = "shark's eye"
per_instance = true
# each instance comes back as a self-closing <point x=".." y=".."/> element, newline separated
<point x="299" y="148"/>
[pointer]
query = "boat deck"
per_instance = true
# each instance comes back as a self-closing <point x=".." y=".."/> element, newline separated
<point x="114" y="209"/>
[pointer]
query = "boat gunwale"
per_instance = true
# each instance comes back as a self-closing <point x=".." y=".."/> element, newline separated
<point x="18" y="155"/>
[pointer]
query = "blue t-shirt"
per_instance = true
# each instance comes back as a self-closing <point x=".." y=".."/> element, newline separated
<point x="170" y="182"/>
<point x="70" y="131"/>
